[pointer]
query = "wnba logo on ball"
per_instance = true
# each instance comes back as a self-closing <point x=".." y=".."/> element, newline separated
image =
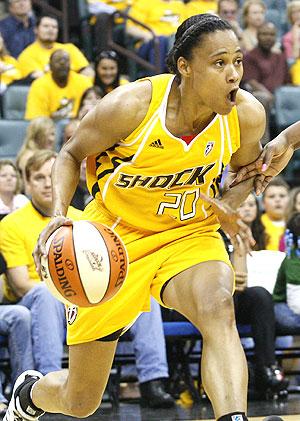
<point x="94" y="260"/>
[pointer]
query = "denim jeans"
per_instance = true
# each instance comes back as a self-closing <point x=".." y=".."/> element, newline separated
<point x="15" y="326"/>
<point x="286" y="318"/>
<point x="148" y="345"/>
<point x="48" y="327"/>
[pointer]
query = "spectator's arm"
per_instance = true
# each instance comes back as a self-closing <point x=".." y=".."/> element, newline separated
<point x="29" y="66"/>
<point x="139" y="33"/>
<point x="19" y="281"/>
<point x="89" y="72"/>
<point x="279" y="293"/>
<point x="79" y="62"/>
<point x="251" y="74"/>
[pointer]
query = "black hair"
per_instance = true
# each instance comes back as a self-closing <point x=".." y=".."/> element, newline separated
<point x="98" y="91"/>
<point x="39" y="19"/>
<point x="277" y="181"/>
<point x="111" y="55"/>
<point x="189" y="35"/>
<point x="258" y="229"/>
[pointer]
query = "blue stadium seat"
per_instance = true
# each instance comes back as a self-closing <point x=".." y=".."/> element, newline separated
<point x="286" y="106"/>
<point x="14" y="102"/>
<point x="12" y="134"/>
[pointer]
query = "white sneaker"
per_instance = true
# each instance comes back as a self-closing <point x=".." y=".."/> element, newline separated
<point x="14" y="411"/>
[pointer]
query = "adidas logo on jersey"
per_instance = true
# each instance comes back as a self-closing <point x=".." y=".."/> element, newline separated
<point x="157" y="144"/>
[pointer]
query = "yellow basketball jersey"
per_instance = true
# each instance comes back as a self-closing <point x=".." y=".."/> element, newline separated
<point x="152" y="179"/>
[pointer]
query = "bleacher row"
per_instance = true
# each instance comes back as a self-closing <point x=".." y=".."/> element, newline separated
<point x="12" y="124"/>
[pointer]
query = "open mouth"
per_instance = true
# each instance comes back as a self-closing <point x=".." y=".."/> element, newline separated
<point x="232" y="95"/>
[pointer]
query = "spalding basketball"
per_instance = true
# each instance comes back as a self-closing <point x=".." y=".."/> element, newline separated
<point x="86" y="263"/>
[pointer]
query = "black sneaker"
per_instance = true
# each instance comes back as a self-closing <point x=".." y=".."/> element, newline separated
<point x="154" y="395"/>
<point x="271" y="378"/>
<point x="14" y="411"/>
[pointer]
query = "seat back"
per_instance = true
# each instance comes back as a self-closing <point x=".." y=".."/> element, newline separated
<point x="14" y="102"/>
<point x="287" y="106"/>
<point x="12" y="134"/>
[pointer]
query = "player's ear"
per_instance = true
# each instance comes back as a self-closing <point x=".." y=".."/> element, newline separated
<point x="183" y="67"/>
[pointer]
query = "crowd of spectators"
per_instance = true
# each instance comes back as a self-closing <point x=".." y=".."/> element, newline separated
<point x="63" y="86"/>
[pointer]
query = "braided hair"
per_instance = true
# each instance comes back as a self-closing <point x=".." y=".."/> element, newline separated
<point x="189" y="34"/>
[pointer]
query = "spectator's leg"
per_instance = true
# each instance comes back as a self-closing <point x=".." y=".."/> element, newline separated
<point x="47" y="315"/>
<point x="15" y="323"/>
<point x="255" y="306"/>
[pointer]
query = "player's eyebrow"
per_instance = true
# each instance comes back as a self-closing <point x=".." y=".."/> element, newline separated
<point x="224" y="51"/>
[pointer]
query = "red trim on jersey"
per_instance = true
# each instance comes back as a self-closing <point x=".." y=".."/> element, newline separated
<point x="189" y="138"/>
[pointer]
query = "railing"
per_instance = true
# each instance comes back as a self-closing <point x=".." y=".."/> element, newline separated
<point x="61" y="14"/>
<point x="129" y="53"/>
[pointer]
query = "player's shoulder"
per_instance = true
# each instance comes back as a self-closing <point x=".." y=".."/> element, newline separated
<point x="18" y="216"/>
<point x="129" y="101"/>
<point x="250" y="111"/>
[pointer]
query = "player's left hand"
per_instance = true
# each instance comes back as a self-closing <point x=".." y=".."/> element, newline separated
<point x="272" y="160"/>
<point x="231" y="224"/>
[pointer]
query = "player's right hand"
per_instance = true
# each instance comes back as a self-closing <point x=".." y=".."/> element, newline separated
<point x="238" y="232"/>
<point x="40" y="248"/>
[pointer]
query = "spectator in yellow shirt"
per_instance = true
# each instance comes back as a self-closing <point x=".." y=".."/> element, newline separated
<point x="9" y="67"/>
<point x="57" y="94"/>
<point x="275" y="203"/>
<point x="34" y="60"/>
<point x="19" y="232"/>
<point x="162" y="17"/>
<point x="196" y="7"/>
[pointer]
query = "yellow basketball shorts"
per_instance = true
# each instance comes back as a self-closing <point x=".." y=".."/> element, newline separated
<point x="154" y="258"/>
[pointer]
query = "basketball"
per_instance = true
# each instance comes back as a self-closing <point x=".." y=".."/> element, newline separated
<point x="86" y="264"/>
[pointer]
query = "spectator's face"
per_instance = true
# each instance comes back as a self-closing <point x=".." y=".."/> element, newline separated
<point x="256" y="15"/>
<point x="60" y="64"/>
<point x="295" y="14"/>
<point x="248" y="210"/>
<point x="49" y="138"/>
<point x="84" y="109"/>
<point x="107" y="70"/>
<point x="275" y="202"/>
<point x="39" y="186"/>
<point x="70" y="130"/>
<point x="8" y="179"/>
<point x="228" y="10"/>
<point x="47" y="30"/>
<point x="91" y="98"/>
<point x="20" y="8"/>
<point x="266" y="36"/>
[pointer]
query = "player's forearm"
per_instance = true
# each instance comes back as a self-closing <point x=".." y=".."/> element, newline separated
<point x="236" y="195"/>
<point x="65" y="178"/>
<point x="291" y="135"/>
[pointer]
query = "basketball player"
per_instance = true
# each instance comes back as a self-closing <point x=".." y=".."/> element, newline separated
<point x="155" y="148"/>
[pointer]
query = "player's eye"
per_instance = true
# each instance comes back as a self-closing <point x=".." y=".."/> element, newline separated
<point x="219" y="63"/>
